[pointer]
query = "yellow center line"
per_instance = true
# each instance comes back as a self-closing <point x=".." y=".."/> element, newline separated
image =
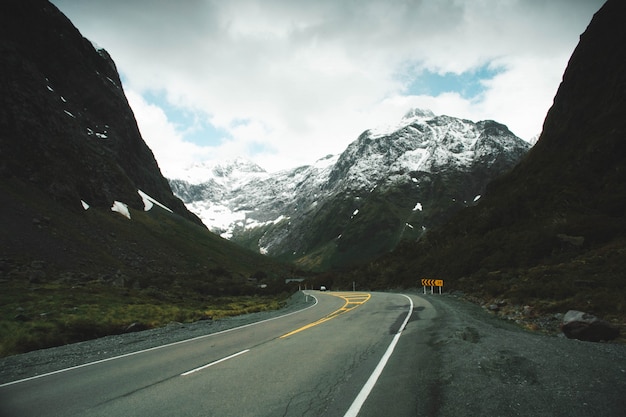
<point x="353" y="300"/>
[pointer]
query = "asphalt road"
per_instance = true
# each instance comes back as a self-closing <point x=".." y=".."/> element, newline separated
<point x="311" y="363"/>
<point x="351" y="354"/>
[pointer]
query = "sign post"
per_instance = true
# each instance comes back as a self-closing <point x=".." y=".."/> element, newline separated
<point x="432" y="283"/>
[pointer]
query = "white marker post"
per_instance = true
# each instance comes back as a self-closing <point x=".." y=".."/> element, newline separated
<point x="432" y="283"/>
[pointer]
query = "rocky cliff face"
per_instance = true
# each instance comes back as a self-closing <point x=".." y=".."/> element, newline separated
<point x="391" y="184"/>
<point x="67" y="127"/>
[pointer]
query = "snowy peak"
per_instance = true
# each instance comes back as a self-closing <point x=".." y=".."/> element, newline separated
<point x="230" y="173"/>
<point x="236" y="167"/>
<point x="426" y="143"/>
<point x="326" y="162"/>
<point x="418" y="114"/>
<point x="410" y="117"/>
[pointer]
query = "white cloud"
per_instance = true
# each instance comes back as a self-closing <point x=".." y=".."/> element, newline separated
<point x="163" y="138"/>
<point x="291" y="81"/>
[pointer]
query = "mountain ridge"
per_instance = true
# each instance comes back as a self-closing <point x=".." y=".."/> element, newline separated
<point x="273" y="213"/>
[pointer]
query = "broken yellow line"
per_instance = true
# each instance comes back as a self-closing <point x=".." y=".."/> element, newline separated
<point x="353" y="300"/>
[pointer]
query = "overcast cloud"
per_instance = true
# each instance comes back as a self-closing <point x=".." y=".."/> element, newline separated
<point x="285" y="82"/>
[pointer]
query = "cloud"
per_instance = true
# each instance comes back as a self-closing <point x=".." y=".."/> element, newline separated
<point x="286" y="82"/>
<point x="166" y="141"/>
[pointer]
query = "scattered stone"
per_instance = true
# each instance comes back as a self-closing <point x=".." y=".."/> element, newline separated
<point x="576" y="241"/>
<point x="38" y="264"/>
<point x="587" y="327"/>
<point x="21" y="317"/>
<point x="470" y="334"/>
<point x="528" y="311"/>
<point x="36" y="276"/>
<point x="136" y="327"/>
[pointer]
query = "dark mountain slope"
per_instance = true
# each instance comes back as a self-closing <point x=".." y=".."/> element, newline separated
<point x="68" y="134"/>
<point x="552" y="232"/>
<point x="67" y="127"/>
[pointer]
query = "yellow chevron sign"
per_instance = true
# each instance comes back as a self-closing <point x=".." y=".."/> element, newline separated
<point x="432" y="283"/>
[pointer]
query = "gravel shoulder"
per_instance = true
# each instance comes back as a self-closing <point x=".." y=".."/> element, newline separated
<point x="43" y="361"/>
<point x="487" y="366"/>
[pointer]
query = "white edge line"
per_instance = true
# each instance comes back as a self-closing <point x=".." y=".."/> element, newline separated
<point x="354" y="409"/>
<point x="215" y="362"/>
<point x="156" y="347"/>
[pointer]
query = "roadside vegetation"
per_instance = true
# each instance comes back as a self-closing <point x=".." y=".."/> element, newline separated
<point x="50" y="314"/>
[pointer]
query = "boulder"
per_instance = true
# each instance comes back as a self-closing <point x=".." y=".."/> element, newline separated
<point x="587" y="327"/>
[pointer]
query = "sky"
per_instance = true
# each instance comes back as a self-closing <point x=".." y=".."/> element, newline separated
<point x="286" y="82"/>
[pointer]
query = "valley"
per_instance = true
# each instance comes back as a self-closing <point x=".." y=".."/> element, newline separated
<point x="90" y="226"/>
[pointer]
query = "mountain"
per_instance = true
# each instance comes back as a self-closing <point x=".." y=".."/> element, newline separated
<point x="68" y="128"/>
<point x="72" y="160"/>
<point x="550" y="234"/>
<point x="205" y="183"/>
<point x="391" y="184"/>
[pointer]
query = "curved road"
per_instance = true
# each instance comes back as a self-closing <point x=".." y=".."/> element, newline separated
<point x="350" y="354"/>
<point x="324" y="360"/>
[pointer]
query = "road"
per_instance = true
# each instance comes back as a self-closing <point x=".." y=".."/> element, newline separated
<point x="351" y="354"/>
<point x="312" y="363"/>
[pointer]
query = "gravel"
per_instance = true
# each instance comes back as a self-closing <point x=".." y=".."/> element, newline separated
<point x="491" y="367"/>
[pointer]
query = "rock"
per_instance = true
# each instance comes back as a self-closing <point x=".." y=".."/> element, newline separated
<point x="576" y="241"/>
<point x="528" y="311"/>
<point x="21" y="317"/>
<point x="36" y="276"/>
<point x="136" y="327"/>
<point x="587" y="327"/>
<point x="493" y="307"/>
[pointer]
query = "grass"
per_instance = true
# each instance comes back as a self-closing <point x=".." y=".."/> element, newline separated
<point x="50" y="314"/>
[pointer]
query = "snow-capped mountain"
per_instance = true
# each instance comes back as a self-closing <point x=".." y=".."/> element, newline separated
<point x="239" y="195"/>
<point x="392" y="183"/>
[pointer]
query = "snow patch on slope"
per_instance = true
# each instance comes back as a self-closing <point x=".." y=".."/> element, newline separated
<point x="149" y="202"/>
<point x="121" y="208"/>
